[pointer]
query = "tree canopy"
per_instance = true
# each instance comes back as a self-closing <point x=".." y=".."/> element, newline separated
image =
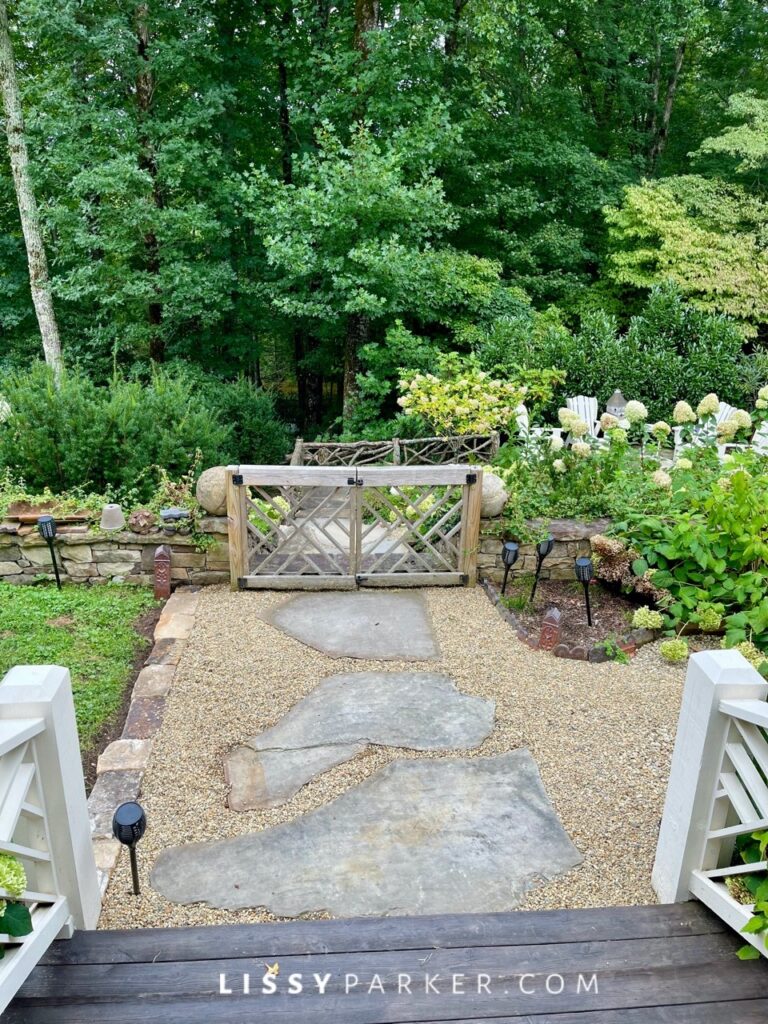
<point x="278" y="190"/>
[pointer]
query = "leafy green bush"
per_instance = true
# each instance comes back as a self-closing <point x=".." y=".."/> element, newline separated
<point x="671" y="351"/>
<point x="258" y="435"/>
<point x="111" y="439"/>
<point x="712" y="551"/>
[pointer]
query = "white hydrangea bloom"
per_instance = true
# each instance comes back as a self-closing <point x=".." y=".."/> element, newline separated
<point x="581" y="449"/>
<point x="763" y="393"/>
<point x="566" y="416"/>
<point x="636" y="412"/>
<point x="608" y="421"/>
<point x="556" y="443"/>
<point x="578" y="427"/>
<point x="661" y="429"/>
<point x="559" y="466"/>
<point x="709" y="405"/>
<point x="683" y="464"/>
<point x="761" y="403"/>
<point x="661" y="478"/>
<point x="742" y="419"/>
<point x="683" y="413"/>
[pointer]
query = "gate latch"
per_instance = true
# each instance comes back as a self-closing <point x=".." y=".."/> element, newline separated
<point x="237" y="479"/>
<point x="471" y="478"/>
<point x="354" y="481"/>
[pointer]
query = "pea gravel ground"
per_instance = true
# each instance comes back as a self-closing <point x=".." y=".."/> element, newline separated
<point x="602" y="736"/>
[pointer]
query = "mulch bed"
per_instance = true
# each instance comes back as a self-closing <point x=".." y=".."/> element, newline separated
<point x="611" y="612"/>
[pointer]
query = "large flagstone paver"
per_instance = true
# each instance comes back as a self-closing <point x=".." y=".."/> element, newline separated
<point x="438" y="835"/>
<point x="360" y="624"/>
<point x="416" y="710"/>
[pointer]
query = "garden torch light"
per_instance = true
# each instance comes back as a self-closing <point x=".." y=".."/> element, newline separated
<point x="128" y="826"/>
<point x="543" y="548"/>
<point x="509" y="555"/>
<point x="584" y="573"/>
<point x="46" y="526"/>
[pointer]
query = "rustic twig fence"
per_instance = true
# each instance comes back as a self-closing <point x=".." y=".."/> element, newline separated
<point x="430" y="451"/>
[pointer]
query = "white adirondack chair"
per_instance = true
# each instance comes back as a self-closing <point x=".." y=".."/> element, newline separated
<point x="759" y="443"/>
<point x="528" y="433"/>
<point x="701" y="434"/>
<point x="586" y="407"/>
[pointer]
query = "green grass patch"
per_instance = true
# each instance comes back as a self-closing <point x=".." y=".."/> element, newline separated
<point x="88" y="630"/>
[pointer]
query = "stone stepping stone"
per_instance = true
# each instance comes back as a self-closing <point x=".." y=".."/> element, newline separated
<point x="336" y="721"/>
<point x="439" y="835"/>
<point x="376" y="626"/>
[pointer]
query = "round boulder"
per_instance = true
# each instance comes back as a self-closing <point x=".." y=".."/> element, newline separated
<point x="494" y="495"/>
<point x="211" y="490"/>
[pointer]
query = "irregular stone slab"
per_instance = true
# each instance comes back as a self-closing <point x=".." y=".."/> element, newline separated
<point x="380" y="627"/>
<point x="428" y="836"/>
<point x="267" y="778"/>
<point x="417" y="710"/>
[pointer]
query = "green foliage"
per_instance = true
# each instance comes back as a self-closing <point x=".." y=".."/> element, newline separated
<point x="88" y="629"/>
<point x="705" y="236"/>
<point x="109" y="439"/>
<point x="670" y="350"/>
<point x="713" y="551"/>
<point x="233" y="185"/>
<point x="752" y="849"/>
<point x="460" y="398"/>
<point x="382" y="365"/>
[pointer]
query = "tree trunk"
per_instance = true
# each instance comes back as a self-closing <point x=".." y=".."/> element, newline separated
<point x="145" y="88"/>
<point x="662" y="133"/>
<point x="366" y="20"/>
<point x="358" y="331"/>
<point x="25" y="197"/>
<point x="451" y="45"/>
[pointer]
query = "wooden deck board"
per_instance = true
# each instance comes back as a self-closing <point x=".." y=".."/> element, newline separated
<point x="653" y="964"/>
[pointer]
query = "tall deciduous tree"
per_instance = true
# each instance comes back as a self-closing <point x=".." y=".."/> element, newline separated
<point x="25" y="196"/>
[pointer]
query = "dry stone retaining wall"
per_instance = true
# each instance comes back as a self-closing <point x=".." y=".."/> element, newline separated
<point x="572" y="539"/>
<point x="123" y="557"/>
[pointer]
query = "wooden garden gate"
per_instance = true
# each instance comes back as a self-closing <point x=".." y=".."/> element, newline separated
<point x="342" y="527"/>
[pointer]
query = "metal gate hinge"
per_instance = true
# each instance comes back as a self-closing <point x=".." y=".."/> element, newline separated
<point x="471" y="478"/>
<point x="237" y="479"/>
<point x="241" y="583"/>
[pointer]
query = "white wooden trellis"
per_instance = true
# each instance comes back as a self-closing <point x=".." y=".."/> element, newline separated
<point x="43" y="815"/>
<point x="718" y="786"/>
<point x="309" y="527"/>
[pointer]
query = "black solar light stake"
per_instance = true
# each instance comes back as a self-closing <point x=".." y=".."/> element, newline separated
<point x="543" y="548"/>
<point x="584" y="572"/>
<point x="46" y="527"/>
<point x="128" y="826"/>
<point x="509" y="555"/>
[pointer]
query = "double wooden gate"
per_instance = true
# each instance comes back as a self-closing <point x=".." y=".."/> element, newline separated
<point x="302" y="527"/>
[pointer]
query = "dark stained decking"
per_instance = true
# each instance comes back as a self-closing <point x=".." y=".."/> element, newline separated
<point x="653" y="964"/>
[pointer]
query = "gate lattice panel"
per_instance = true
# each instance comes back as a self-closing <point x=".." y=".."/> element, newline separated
<point x="327" y="527"/>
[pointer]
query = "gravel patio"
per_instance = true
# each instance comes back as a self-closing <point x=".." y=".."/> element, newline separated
<point x="602" y="736"/>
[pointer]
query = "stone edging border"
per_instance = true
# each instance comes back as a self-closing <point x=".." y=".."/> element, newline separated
<point x="549" y="638"/>
<point x="121" y="766"/>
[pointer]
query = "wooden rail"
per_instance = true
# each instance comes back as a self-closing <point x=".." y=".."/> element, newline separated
<point x="717" y="787"/>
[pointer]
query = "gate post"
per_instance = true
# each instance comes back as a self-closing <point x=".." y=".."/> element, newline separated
<point x="470" y="526"/>
<point x="237" y="523"/>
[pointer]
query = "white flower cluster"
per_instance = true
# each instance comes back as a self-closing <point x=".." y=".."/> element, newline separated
<point x="636" y="412"/>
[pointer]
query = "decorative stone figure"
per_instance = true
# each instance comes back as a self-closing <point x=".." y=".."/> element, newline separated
<point x="550" y="629"/>
<point x="162" y="572"/>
